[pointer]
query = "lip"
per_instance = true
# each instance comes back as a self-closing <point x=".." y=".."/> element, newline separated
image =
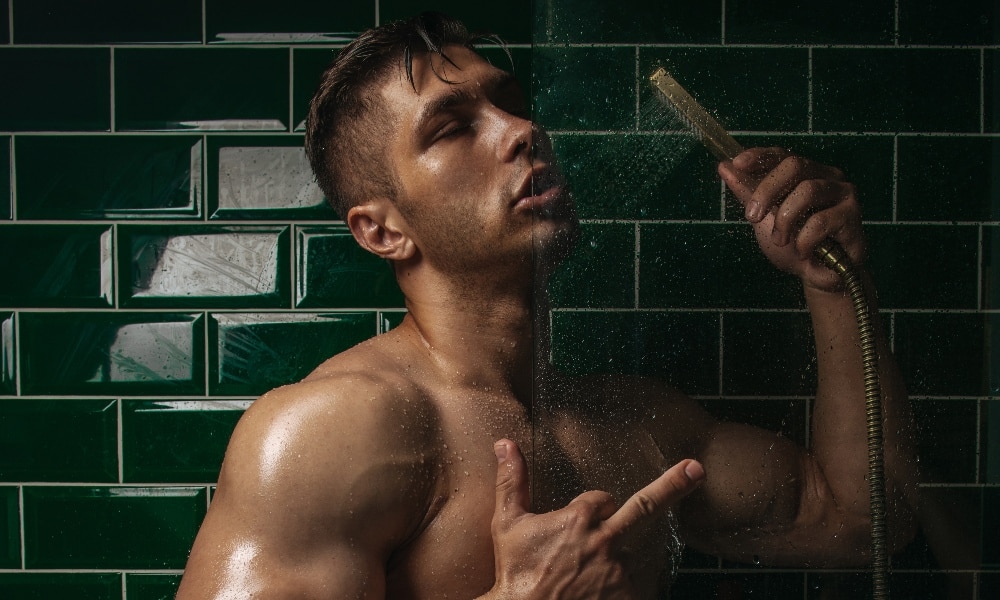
<point x="541" y="186"/>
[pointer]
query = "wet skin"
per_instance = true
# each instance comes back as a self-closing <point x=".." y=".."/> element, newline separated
<point x="377" y="476"/>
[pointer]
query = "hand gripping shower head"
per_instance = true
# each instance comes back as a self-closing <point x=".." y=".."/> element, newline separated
<point x="722" y="145"/>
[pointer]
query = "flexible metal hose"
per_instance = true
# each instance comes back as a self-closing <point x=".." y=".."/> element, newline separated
<point x="834" y="257"/>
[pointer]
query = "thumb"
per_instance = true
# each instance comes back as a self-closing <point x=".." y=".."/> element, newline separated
<point x="512" y="484"/>
<point x="739" y="182"/>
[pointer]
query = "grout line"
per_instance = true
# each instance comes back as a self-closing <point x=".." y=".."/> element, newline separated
<point x="981" y="255"/>
<point x="979" y="441"/>
<point x="722" y="24"/>
<point x="378" y="15"/>
<point x="809" y="92"/>
<point x="10" y="23"/>
<point x="895" y="25"/>
<point x="638" y="91"/>
<point x="722" y="345"/>
<point x="982" y="90"/>
<point x="124" y="587"/>
<point x="112" y="91"/>
<point x="204" y="24"/>
<point x="20" y="514"/>
<point x="895" y="179"/>
<point x="121" y="443"/>
<point x="635" y="267"/>
<point x="12" y="171"/>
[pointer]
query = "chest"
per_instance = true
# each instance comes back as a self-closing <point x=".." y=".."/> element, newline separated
<point x="453" y="555"/>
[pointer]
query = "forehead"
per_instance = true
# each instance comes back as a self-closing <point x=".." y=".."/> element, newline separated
<point x="466" y="70"/>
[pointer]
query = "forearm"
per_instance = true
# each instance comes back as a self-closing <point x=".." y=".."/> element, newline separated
<point x="839" y="436"/>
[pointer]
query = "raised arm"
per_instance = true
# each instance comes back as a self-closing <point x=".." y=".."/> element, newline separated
<point x="766" y="498"/>
<point x="316" y="490"/>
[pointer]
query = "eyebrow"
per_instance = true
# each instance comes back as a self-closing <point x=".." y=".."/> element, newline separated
<point x="495" y="81"/>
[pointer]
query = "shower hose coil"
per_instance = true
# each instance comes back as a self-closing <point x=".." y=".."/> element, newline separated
<point x="834" y="257"/>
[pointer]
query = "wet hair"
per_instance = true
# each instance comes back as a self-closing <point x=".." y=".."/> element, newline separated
<point x="348" y="124"/>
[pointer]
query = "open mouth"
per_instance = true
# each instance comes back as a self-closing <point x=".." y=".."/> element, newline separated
<point x="544" y="193"/>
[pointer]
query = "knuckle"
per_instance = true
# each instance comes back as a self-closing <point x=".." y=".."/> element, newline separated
<point x="796" y="163"/>
<point x="645" y="504"/>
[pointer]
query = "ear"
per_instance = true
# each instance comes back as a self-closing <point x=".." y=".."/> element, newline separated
<point x="380" y="229"/>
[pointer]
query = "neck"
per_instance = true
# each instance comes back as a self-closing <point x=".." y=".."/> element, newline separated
<point x="479" y="331"/>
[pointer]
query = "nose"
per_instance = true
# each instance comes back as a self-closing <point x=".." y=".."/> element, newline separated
<point x="516" y="136"/>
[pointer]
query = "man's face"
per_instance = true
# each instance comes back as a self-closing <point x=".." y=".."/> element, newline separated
<point x="478" y="183"/>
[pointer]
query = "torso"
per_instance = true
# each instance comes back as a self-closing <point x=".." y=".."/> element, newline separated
<point x="589" y="443"/>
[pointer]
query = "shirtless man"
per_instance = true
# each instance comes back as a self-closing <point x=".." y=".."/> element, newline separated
<point x="373" y="477"/>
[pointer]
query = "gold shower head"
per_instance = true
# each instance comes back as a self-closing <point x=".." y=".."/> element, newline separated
<point x="712" y="134"/>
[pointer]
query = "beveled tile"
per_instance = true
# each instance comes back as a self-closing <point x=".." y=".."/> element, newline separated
<point x="59" y="440"/>
<point x="110" y="527"/>
<point x="109" y="177"/>
<point x="6" y="199"/>
<point x="335" y="272"/>
<point x="262" y="177"/>
<point x="252" y="353"/>
<point x="291" y="21"/>
<point x="947" y="432"/>
<point x="943" y="353"/>
<point x="512" y="21"/>
<point x="79" y="586"/>
<point x="682" y="348"/>
<point x="584" y="88"/>
<point x="601" y="270"/>
<point x="694" y="265"/>
<point x="201" y="266"/>
<point x="968" y="22"/>
<point x="768" y="354"/>
<point x="646" y="175"/>
<point x="10" y="528"/>
<point x="148" y="586"/>
<point x="8" y="357"/>
<point x="948" y="178"/>
<point x="792" y="22"/>
<point x="898" y="94"/>
<point x="629" y="21"/>
<point x="925" y="266"/>
<point x="111" y="353"/>
<point x="35" y="84"/>
<point x="64" y="266"/>
<point x="176" y="441"/>
<point x="201" y="88"/>
<point x="107" y="22"/>
<point x="745" y="88"/>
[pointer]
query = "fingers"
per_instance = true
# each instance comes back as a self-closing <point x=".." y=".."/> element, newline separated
<point x="512" y="497"/>
<point x="651" y="501"/>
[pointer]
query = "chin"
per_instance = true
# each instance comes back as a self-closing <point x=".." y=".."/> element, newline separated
<point x="554" y="241"/>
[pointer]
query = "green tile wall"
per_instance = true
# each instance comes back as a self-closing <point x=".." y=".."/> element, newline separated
<point x="165" y="250"/>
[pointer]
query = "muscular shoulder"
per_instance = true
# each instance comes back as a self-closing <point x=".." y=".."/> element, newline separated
<point x="335" y="448"/>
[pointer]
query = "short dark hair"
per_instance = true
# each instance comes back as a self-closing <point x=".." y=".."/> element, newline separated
<point x="348" y="125"/>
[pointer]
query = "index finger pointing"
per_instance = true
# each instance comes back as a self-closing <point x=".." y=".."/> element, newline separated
<point x="653" y="500"/>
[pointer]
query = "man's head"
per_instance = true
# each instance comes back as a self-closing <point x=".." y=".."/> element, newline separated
<point x="428" y="153"/>
<point x="348" y="123"/>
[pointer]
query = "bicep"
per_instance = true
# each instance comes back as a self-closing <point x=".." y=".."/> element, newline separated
<point x="228" y="561"/>
<point x="765" y="498"/>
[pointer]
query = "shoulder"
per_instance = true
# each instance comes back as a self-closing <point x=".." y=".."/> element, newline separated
<point x="332" y="450"/>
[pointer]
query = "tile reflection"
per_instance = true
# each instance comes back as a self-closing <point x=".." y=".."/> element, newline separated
<point x="261" y="178"/>
<point x="88" y="353"/>
<point x="211" y="268"/>
<point x="7" y="354"/>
